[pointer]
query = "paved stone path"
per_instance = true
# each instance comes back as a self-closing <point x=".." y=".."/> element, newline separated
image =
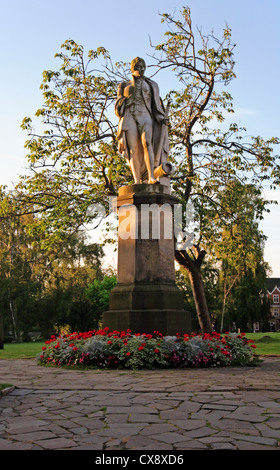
<point x="162" y="410"/>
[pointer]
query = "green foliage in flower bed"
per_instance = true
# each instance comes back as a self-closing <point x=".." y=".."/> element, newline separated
<point x="104" y="349"/>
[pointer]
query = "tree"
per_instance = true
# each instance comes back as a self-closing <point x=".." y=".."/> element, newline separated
<point x="63" y="301"/>
<point x="239" y="243"/>
<point x="210" y="273"/>
<point x="208" y="158"/>
<point x="42" y="286"/>
<point x="244" y="306"/>
<point x="20" y="268"/>
<point x="75" y="162"/>
<point x="20" y="275"/>
<point x="99" y="292"/>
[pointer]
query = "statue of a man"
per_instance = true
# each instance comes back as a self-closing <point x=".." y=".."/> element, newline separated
<point x="142" y="132"/>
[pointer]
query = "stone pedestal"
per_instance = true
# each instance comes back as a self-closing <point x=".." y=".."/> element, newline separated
<point x="146" y="298"/>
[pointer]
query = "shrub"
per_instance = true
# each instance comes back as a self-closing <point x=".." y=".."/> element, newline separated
<point x="104" y="349"/>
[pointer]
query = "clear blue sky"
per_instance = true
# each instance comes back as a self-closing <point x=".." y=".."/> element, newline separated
<point x="32" y="31"/>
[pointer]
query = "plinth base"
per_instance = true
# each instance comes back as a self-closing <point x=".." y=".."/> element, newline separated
<point x="167" y="322"/>
<point x="146" y="298"/>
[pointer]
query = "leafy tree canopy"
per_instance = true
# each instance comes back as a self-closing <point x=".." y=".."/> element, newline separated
<point x="74" y="161"/>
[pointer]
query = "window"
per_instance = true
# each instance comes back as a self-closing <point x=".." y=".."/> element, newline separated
<point x="276" y="312"/>
<point x="276" y="299"/>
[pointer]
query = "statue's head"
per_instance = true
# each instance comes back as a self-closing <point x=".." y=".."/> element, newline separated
<point x="138" y="67"/>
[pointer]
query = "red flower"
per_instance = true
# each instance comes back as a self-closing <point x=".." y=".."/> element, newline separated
<point x="128" y="353"/>
<point x="109" y="342"/>
<point x="148" y="336"/>
<point x="43" y="348"/>
<point x="156" y="351"/>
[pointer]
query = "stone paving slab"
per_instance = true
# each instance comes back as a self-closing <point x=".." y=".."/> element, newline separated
<point x="161" y="410"/>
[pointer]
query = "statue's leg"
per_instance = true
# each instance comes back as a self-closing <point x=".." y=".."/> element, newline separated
<point x="134" y="166"/>
<point x="146" y="139"/>
<point x="132" y="138"/>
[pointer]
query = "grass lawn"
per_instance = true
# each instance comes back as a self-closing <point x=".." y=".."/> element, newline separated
<point x="21" y="350"/>
<point x="267" y="343"/>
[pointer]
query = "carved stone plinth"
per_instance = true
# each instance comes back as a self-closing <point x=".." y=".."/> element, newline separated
<point x="146" y="298"/>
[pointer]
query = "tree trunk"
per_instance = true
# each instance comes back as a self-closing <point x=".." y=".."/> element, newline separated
<point x="200" y="300"/>
<point x="14" y="319"/>
<point x="223" y="313"/>
<point x="193" y="267"/>
<point x="1" y="332"/>
<point x="226" y="293"/>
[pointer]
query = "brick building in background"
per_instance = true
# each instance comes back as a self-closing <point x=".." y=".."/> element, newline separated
<point x="273" y="294"/>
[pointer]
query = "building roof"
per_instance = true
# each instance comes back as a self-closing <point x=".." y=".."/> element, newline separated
<point x="271" y="282"/>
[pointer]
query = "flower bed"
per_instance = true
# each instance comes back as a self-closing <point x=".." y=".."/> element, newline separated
<point x="104" y="349"/>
